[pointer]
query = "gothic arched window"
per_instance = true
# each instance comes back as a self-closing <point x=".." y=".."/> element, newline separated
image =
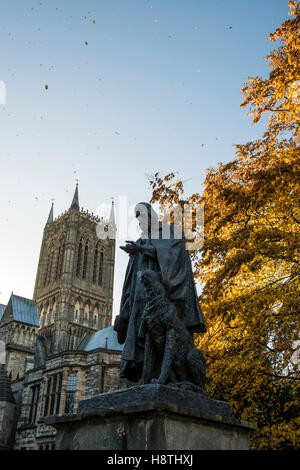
<point x="35" y="392"/>
<point x="95" y="266"/>
<point x="49" y="273"/>
<point x="100" y="274"/>
<point x="95" y="317"/>
<point x="53" y="394"/>
<point x="76" y="311"/>
<point x="59" y="262"/>
<point x="48" y="269"/>
<point x="85" y="260"/>
<point x="70" y="395"/>
<point x="54" y="311"/>
<point x="79" y="259"/>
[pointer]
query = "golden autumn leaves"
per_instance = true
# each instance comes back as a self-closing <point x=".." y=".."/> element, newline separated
<point x="86" y="43"/>
<point x="249" y="263"/>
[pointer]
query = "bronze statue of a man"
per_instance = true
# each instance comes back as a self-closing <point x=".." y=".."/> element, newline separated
<point x="164" y="252"/>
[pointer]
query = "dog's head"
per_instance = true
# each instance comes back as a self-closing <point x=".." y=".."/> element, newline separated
<point x="149" y="277"/>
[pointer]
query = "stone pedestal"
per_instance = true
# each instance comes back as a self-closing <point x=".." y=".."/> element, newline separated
<point x="151" y="417"/>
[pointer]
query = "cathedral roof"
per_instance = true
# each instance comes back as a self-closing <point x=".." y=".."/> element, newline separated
<point x="106" y="339"/>
<point x="5" y="386"/>
<point x="25" y="310"/>
<point x="22" y="310"/>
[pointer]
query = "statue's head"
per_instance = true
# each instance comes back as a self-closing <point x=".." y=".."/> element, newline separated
<point x="146" y="216"/>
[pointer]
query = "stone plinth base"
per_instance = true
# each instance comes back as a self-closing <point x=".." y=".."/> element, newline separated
<point x="151" y="417"/>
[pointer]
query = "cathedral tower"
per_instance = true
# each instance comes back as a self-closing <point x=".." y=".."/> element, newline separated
<point x="74" y="282"/>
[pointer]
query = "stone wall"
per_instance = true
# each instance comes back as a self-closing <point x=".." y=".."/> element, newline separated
<point x="17" y="357"/>
<point x="97" y="372"/>
<point x="19" y="340"/>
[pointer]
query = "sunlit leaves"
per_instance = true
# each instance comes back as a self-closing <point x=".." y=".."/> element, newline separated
<point x="249" y="265"/>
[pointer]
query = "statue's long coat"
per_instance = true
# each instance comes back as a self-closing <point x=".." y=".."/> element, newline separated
<point x="171" y="259"/>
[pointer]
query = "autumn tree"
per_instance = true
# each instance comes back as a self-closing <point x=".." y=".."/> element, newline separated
<point x="249" y="262"/>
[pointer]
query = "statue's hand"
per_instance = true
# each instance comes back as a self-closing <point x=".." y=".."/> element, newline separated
<point x="131" y="247"/>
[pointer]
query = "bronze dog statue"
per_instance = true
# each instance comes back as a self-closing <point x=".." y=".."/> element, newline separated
<point x="170" y="356"/>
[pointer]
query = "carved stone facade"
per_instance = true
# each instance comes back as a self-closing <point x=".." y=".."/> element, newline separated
<point x="19" y="326"/>
<point x="56" y="389"/>
<point x="60" y="346"/>
<point x="74" y="282"/>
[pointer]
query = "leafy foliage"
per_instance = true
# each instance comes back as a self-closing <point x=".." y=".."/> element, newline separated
<point x="249" y="262"/>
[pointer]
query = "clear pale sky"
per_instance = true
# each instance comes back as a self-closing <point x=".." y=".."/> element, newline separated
<point x="156" y="87"/>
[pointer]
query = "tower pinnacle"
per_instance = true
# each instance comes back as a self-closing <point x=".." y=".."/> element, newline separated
<point x="50" y="217"/>
<point x="75" y="202"/>
<point x="112" y="227"/>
